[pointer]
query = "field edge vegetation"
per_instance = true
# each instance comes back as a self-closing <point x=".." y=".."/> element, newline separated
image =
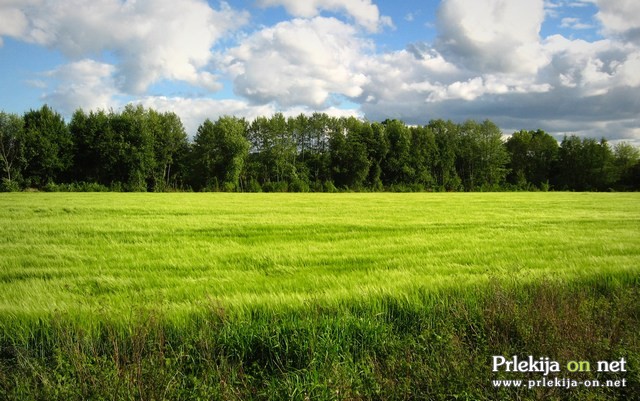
<point x="392" y="349"/>
<point x="141" y="150"/>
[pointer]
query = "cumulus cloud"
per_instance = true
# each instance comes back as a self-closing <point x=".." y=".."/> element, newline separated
<point x="492" y="35"/>
<point x="488" y="61"/>
<point x="582" y="87"/>
<point x="594" y="68"/>
<point x="84" y="84"/>
<point x="13" y="22"/>
<point x="299" y="62"/>
<point x="492" y="63"/>
<point x="620" y="17"/>
<point x="414" y="84"/>
<point x="151" y="39"/>
<point x="476" y="87"/>
<point x="364" y="12"/>
<point x="193" y="111"/>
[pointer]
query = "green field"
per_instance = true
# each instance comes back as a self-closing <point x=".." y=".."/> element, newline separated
<point x="82" y="252"/>
<point x="311" y="296"/>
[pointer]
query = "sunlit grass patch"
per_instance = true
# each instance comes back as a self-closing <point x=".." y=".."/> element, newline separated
<point x="311" y="296"/>
<point x="113" y="251"/>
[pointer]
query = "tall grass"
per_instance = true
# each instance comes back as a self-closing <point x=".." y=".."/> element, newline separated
<point x="322" y="296"/>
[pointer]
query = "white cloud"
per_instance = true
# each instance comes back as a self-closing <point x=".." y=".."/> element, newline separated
<point x="580" y="3"/>
<point x="594" y="68"/>
<point x="628" y="71"/>
<point x="488" y="61"/>
<point x="620" y="17"/>
<point x="13" y="22"/>
<point x="193" y="111"/>
<point x="152" y="39"/>
<point x="473" y="88"/>
<point x="299" y="62"/>
<point x="420" y="84"/>
<point x="551" y="9"/>
<point x="364" y="12"/>
<point x="492" y="35"/>
<point x="402" y="81"/>
<point x="587" y="88"/>
<point x="83" y="84"/>
<point x="574" y="23"/>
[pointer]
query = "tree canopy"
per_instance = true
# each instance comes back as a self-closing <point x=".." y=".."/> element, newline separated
<point x="140" y="149"/>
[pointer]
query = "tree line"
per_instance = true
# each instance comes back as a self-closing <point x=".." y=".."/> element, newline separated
<point x="139" y="149"/>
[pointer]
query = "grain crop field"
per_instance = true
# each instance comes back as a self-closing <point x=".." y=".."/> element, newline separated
<point x="313" y="296"/>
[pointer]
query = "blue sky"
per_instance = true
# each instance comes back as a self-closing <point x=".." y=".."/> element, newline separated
<point x="569" y="67"/>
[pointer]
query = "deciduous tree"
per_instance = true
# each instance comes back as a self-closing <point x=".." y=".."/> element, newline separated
<point x="220" y="150"/>
<point x="11" y="146"/>
<point x="48" y="147"/>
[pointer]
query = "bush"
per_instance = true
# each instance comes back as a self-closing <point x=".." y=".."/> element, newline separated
<point x="116" y="187"/>
<point x="75" y="187"/>
<point x="330" y="187"/>
<point x="90" y="187"/>
<point x="279" y="186"/>
<point x="298" y="185"/>
<point x="412" y="187"/>
<point x="253" y="186"/>
<point x="9" y="186"/>
<point x="317" y="186"/>
<point x="229" y="186"/>
<point x="51" y="187"/>
<point x="544" y="186"/>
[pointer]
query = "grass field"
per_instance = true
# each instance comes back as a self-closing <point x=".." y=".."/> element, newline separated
<point x="311" y="296"/>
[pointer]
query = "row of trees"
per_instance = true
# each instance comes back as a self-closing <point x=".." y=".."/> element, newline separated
<point x="141" y="149"/>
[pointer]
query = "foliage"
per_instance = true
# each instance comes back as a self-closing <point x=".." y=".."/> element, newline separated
<point x="47" y="147"/>
<point x="533" y="155"/>
<point x="219" y="153"/>
<point x="141" y="149"/>
<point x="12" y="142"/>
<point x="7" y="185"/>
<point x="626" y="166"/>
<point x="137" y="149"/>
<point x="584" y="164"/>
<point x="397" y="166"/>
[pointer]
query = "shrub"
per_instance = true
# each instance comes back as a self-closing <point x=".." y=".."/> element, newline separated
<point x="298" y="185"/>
<point x="317" y="186"/>
<point x="544" y="186"/>
<point x="51" y="187"/>
<point x="279" y="186"/>
<point x="253" y="186"/>
<point x="330" y="187"/>
<point x="9" y="186"/>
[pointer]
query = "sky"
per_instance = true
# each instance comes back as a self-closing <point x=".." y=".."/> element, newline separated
<point x="567" y="67"/>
